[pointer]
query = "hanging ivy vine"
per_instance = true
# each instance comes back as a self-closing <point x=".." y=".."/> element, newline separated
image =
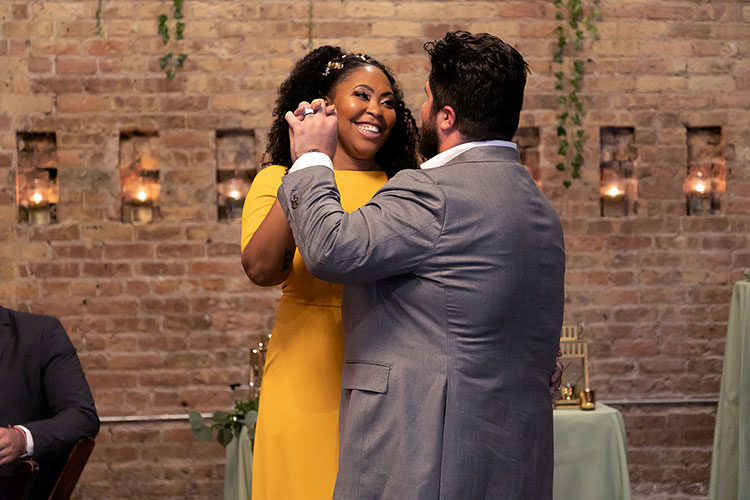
<point x="99" y="30"/>
<point x="573" y="23"/>
<point x="310" y="25"/>
<point x="170" y="62"/>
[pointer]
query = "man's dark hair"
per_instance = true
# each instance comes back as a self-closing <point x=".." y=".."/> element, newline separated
<point x="482" y="78"/>
<point x="317" y="75"/>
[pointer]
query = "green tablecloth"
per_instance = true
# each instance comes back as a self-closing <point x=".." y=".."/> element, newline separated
<point x="590" y="460"/>
<point x="238" y="468"/>
<point x="730" y="462"/>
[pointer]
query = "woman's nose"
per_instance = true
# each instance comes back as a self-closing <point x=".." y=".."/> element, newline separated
<point x="374" y="108"/>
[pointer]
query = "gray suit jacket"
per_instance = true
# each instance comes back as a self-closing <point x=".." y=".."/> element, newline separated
<point x="452" y="312"/>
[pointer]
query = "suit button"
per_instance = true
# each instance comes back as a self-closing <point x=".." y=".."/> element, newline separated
<point x="295" y="202"/>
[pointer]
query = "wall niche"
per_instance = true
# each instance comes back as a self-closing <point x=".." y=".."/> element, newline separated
<point x="139" y="176"/>
<point x="236" y="166"/>
<point x="37" y="192"/>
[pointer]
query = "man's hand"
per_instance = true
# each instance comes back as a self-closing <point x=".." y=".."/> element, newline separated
<point x="313" y="131"/>
<point x="11" y="444"/>
<point x="556" y="380"/>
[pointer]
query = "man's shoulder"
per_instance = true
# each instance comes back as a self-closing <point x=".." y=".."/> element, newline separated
<point x="487" y="153"/>
<point x="31" y="325"/>
<point x="13" y="316"/>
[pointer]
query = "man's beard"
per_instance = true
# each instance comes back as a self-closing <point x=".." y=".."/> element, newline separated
<point x="428" y="139"/>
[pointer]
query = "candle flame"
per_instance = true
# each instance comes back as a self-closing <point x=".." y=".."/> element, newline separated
<point x="613" y="191"/>
<point x="700" y="187"/>
<point x="141" y="195"/>
<point x="37" y="197"/>
<point x="234" y="194"/>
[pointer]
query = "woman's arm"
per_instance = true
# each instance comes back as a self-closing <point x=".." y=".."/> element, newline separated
<point x="267" y="257"/>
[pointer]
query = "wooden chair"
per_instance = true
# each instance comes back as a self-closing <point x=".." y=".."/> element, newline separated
<point x="17" y="484"/>
<point x="72" y="469"/>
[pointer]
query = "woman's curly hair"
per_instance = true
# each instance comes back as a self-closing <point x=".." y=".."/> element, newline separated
<point x="313" y="77"/>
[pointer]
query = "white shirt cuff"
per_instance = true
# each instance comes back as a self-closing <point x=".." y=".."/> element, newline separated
<point x="29" y="440"/>
<point x="311" y="159"/>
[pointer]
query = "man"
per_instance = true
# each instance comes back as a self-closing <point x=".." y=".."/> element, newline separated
<point x="46" y="405"/>
<point x="454" y="298"/>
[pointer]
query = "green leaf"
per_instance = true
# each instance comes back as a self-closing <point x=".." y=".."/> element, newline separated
<point x="576" y="118"/>
<point x="180" y="60"/>
<point x="164" y="60"/>
<point x="579" y="107"/>
<point x="575" y="174"/>
<point x="561" y="99"/>
<point x="579" y="133"/>
<point x="578" y="67"/>
<point x="178" y="9"/>
<point x="224" y="437"/>
<point x="559" y="16"/>
<point x="203" y="434"/>
<point x="566" y="183"/>
<point x="577" y="161"/>
<point x="163" y="31"/>
<point x="179" y="28"/>
<point x="560" y="167"/>
<point x="220" y="417"/>
<point x="195" y="419"/>
<point x="561" y="132"/>
<point x="559" y="75"/>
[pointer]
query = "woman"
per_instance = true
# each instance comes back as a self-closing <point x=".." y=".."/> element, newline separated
<point x="296" y="440"/>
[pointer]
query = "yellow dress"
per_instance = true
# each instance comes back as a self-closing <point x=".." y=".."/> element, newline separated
<point x="296" y="439"/>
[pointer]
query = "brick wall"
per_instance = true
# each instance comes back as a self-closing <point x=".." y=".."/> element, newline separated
<point x="162" y="315"/>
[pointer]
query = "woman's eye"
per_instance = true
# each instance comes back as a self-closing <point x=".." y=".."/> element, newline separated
<point x="390" y="103"/>
<point x="362" y="95"/>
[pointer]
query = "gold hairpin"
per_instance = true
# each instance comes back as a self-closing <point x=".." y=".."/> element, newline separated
<point x="337" y="63"/>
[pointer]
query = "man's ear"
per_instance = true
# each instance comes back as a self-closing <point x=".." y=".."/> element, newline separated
<point x="446" y="119"/>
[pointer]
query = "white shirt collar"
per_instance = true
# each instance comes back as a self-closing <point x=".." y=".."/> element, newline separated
<point x="442" y="158"/>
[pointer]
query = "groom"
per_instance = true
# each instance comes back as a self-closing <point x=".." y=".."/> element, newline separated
<point x="454" y="292"/>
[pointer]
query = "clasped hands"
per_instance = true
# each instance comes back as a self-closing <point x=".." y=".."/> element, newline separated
<point x="313" y="127"/>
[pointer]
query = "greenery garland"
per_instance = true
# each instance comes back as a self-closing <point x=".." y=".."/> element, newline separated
<point x="227" y="425"/>
<point x="169" y="62"/>
<point x="571" y="31"/>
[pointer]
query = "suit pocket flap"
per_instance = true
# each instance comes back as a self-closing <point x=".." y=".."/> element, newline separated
<point x="365" y="376"/>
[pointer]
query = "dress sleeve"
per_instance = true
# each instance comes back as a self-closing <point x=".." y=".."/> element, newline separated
<point x="259" y="200"/>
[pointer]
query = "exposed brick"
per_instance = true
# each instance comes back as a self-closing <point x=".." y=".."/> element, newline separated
<point x="162" y="314"/>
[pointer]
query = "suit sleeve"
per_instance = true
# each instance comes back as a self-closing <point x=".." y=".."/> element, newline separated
<point x="390" y="235"/>
<point x="67" y="394"/>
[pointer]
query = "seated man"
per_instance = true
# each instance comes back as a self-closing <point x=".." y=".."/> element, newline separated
<point x="45" y="401"/>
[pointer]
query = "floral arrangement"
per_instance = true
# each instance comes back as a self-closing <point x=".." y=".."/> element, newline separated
<point x="227" y="424"/>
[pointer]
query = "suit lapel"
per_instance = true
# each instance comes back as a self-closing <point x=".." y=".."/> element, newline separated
<point x="4" y="330"/>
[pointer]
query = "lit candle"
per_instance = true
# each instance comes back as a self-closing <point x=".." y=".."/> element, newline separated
<point x="613" y="192"/>
<point x="38" y="208"/>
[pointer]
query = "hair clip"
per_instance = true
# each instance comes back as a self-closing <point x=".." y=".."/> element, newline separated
<point x="337" y="63"/>
<point x="333" y="65"/>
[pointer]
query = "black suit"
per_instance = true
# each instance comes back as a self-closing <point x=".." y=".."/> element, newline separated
<point x="43" y="388"/>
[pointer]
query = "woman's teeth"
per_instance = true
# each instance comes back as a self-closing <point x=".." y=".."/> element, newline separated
<point x="370" y="129"/>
